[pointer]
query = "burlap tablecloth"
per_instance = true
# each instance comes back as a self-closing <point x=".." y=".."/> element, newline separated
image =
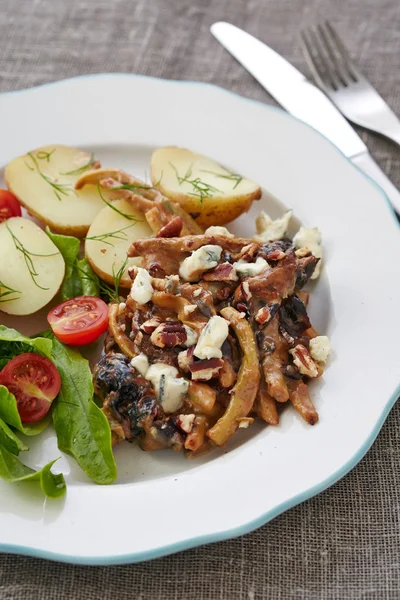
<point x="344" y="543"/>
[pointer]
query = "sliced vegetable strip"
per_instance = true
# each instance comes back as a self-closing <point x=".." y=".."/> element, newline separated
<point x="246" y="387"/>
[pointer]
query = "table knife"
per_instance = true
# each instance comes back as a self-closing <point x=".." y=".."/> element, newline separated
<point x="292" y="90"/>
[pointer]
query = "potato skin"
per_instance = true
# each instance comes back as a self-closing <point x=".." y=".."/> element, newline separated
<point x="213" y="211"/>
<point x="181" y="175"/>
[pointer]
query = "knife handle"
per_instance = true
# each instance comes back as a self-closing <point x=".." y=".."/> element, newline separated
<point x="367" y="164"/>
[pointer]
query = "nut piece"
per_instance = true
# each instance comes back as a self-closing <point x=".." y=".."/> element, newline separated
<point x="222" y="272"/>
<point x="189" y="308"/>
<point x="185" y="358"/>
<point x="303" y="361"/>
<point x="246" y="290"/>
<point x="276" y="255"/>
<point x="203" y="370"/>
<point x="302" y="252"/>
<point x="266" y="313"/>
<point x="248" y="252"/>
<point x="150" y="325"/>
<point x="171" y="229"/>
<point x="263" y="316"/>
<point x="169" y="335"/>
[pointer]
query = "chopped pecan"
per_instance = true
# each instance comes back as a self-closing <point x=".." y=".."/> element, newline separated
<point x="150" y="325"/>
<point x="185" y="358"/>
<point x="222" y="272"/>
<point x="287" y="337"/>
<point x="276" y="255"/>
<point x="242" y="307"/>
<point x="189" y="308"/>
<point x="224" y="293"/>
<point x="263" y="315"/>
<point x="203" y="370"/>
<point x="171" y="229"/>
<point x="169" y="335"/>
<point x="248" y="252"/>
<point x="302" y="252"/>
<point x="303" y="361"/>
<point x="246" y="290"/>
<point x="266" y="313"/>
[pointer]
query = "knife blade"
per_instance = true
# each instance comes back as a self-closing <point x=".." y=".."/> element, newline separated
<point x="301" y="98"/>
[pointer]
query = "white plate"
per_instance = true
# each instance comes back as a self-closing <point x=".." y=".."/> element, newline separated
<point x="162" y="502"/>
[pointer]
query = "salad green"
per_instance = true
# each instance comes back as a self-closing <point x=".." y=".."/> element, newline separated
<point x="9" y="440"/>
<point x="81" y="427"/>
<point x="13" y="471"/>
<point x="79" y="278"/>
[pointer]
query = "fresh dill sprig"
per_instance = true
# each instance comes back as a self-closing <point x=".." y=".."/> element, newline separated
<point x="108" y="291"/>
<point x="118" y="234"/>
<point x="201" y="188"/>
<point x="133" y="187"/>
<point x="117" y="276"/>
<point x="28" y="257"/>
<point x="42" y="155"/>
<point x="8" y="292"/>
<point x="58" y="188"/>
<point x="231" y="177"/>
<point x="82" y="169"/>
<point x="120" y="212"/>
<point x="137" y="186"/>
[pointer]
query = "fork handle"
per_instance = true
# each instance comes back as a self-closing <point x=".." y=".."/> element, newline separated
<point x="367" y="164"/>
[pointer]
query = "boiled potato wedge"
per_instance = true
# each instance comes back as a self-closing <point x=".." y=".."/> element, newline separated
<point x="44" y="182"/>
<point x="110" y="237"/>
<point x="31" y="267"/>
<point x="210" y="193"/>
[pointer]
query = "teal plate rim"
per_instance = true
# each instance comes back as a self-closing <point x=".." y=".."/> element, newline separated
<point x="284" y="506"/>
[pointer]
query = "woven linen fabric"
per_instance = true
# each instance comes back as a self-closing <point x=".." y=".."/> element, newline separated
<point x="344" y="543"/>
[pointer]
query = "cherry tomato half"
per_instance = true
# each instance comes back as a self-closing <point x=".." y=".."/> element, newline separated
<point x="9" y="206"/>
<point x="79" y="321"/>
<point x="34" y="381"/>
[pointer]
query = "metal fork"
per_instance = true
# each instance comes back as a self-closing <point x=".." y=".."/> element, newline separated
<point x="337" y="75"/>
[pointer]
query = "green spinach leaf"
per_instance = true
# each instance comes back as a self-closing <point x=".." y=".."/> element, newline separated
<point x="90" y="283"/>
<point x="9" y="440"/>
<point x="13" y="471"/>
<point x="79" y="279"/>
<point x="82" y="428"/>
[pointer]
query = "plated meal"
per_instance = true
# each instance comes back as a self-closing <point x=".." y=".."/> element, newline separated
<point x="204" y="331"/>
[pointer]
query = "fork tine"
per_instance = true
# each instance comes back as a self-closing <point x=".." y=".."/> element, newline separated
<point x="336" y="43"/>
<point x="312" y="62"/>
<point x="322" y="61"/>
<point x="340" y="71"/>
